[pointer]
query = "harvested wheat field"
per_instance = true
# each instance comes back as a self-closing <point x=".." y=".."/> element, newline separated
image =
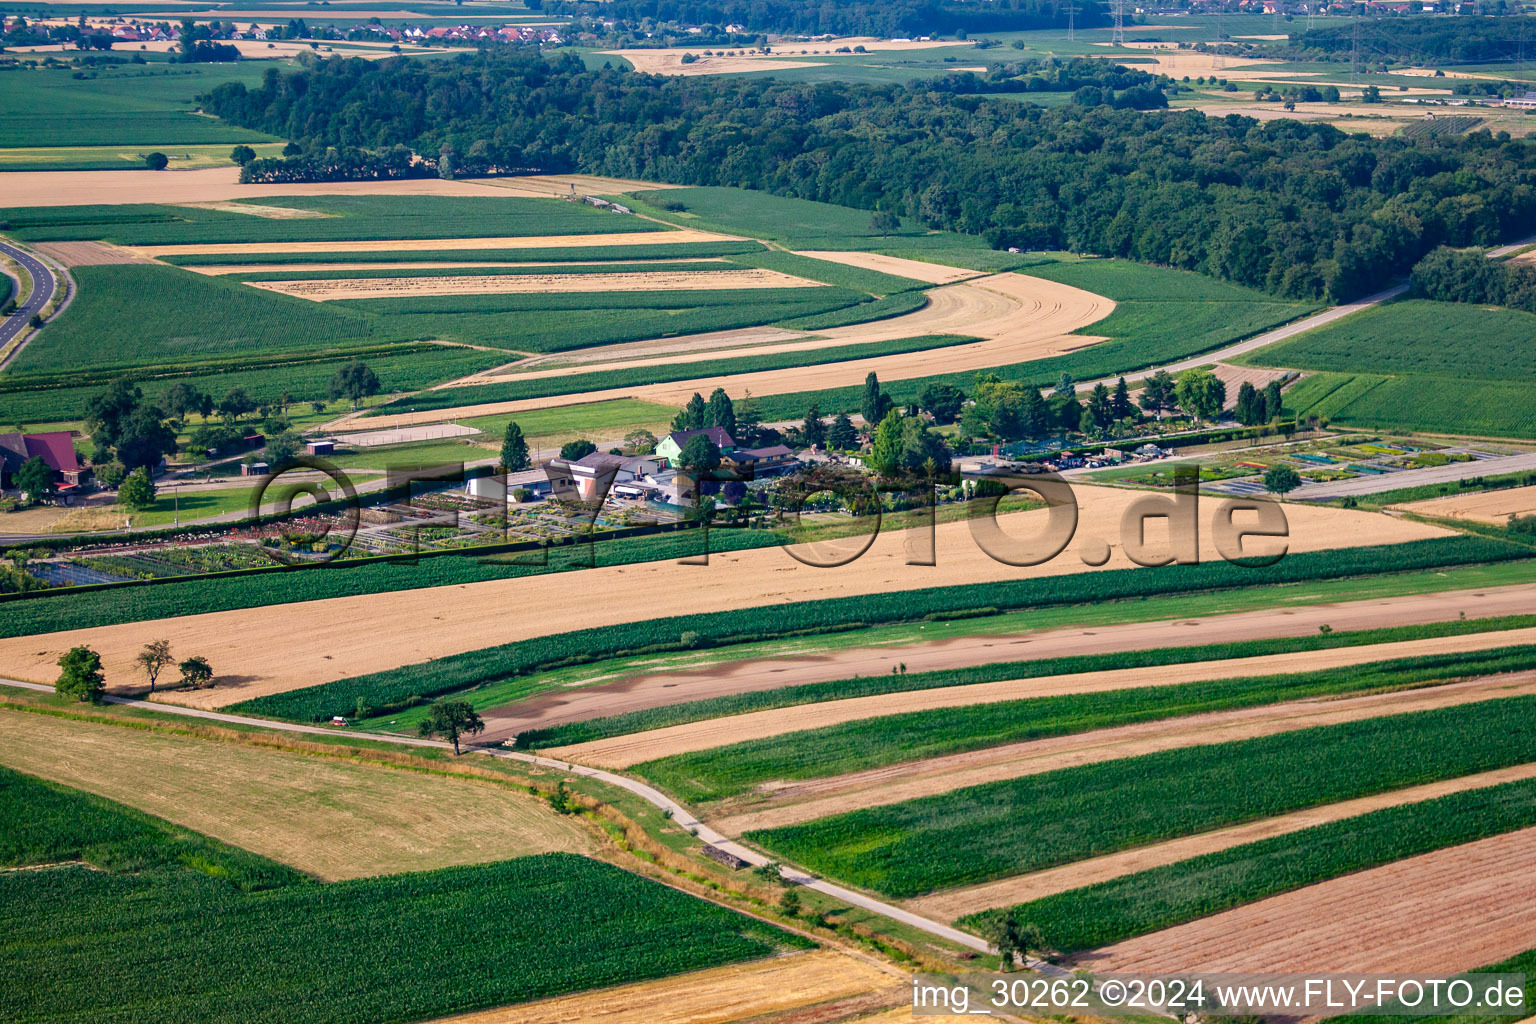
<point x="916" y="270"/>
<point x="534" y="284"/>
<point x="338" y="637"/>
<point x="623" y="751"/>
<point x="1439" y="913"/>
<point x="1486" y="507"/>
<point x="87" y="254"/>
<point x="1234" y="377"/>
<point x="222" y="269"/>
<point x="1019" y="318"/>
<point x="256" y="249"/>
<point x="708" y="678"/>
<point x="956" y="903"/>
<point x="83" y="188"/>
<point x="329" y="817"/>
<point x="718" y="995"/>
<point x="819" y="798"/>
<point x="264" y="212"/>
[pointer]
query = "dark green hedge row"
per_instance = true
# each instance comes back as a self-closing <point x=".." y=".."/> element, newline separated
<point x="317" y="703"/>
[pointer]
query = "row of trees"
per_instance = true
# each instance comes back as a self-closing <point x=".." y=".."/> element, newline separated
<point x="82" y="677"/>
<point x="1299" y="209"/>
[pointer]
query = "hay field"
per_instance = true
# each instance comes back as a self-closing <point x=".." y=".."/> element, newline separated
<point x="1439" y="913"/>
<point x="214" y="184"/>
<point x="284" y="647"/>
<point x="956" y="903"/>
<point x="720" y="994"/>
<point x="533" y="284"/>
<point x="1019" y="318"/>
<point x="332" y="818"/>
<point x="1484" y="507"/>
<point x="257" y="249"/>
<point x="631" y="749"/>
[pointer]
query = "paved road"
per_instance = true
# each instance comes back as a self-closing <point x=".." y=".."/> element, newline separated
<point x="42" y="292"/>
<point x="1414" y="478"/>
<point x="640" y="789"/>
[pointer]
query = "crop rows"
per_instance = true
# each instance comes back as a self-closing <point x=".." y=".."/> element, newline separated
<point x="893" y="739"/>
<point x="508" y="271"/>
<point x="1161" y="897"/>
<point x="869" y="686"/>
<point x="174" y="940"/>
<point x="1039" y="821"/>
<point x="748" y="625"/>
<point x="669" y="251"/>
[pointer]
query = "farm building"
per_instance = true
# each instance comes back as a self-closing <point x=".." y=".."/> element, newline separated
<point x="671" y="446"/>
<point x="593" y="476"/>
<point x="56" y="449"/>
<point x="321" y="447"/>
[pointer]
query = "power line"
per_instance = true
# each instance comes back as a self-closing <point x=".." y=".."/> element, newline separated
<point x="1118" y="38"/>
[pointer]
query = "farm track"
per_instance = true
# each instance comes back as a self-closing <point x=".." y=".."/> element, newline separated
<point x="639" y="692"/>
<point x="820" y="798"/>
<point x="624" y="751"/>
<point x="336" y="638"/>
<point x="954" y="903"/>
<point x="1438" y="913"/>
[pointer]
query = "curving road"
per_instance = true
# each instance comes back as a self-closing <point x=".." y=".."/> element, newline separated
<point x="42" y="291"/>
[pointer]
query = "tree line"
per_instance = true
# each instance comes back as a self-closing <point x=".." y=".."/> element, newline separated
<point x="1452" y="275"/>
<point x="1298" y="209"/>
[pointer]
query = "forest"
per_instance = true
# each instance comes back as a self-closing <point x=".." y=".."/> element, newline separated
<point x="1302" y="210"/>
<point x="1460" y="40"/>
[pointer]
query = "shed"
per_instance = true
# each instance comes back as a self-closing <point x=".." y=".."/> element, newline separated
<point x="254" y="468"/>
<point x="321" y="447"/>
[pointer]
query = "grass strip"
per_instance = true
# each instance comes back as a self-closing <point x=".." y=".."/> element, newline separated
<point x="1019" y="825"/>
<point x="869" y="686"/>
<point x="1162" y="897"/>
<point x="748" y="625"/>
<point x="892" y="739"/>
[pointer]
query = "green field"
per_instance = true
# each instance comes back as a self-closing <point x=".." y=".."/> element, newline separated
<point x="121" y="158"/>
<point x="571" y="254"/>
<point x="1416" y="365"/>
<point x="752" y="625"/>
<point x="174" y="926"/>
<point x="343" y="219"/>
<point x="894" y="739"/>
<point x="1147" y="901"/>
<point x="1021" y="825"/>
<point x="127" y="105"/>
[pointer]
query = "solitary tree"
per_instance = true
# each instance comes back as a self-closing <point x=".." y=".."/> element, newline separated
<point x="699" y="456"/>
<point x="451" y="719"/>
<point x="875" y="405"/>
<point x="154" y="659"/>
<point x="578" y="449"/>
<point x="1281" y="480"/>
<point x="156" y="161"/>
<point x="691" y="416"/>
<point x="242" y="155"/>
<point x="80" y="675"/>
<point x="137" y="490"/>
<point x="354" y="381"/>
<point x="1011" y="937"/>
<point x="196" y="673"/>
<point x="884" y="221"/>
<point x="34" y="477"/>
<point x="1066" y="387"/>
<point x="1200" y="393"/>
<point x="642" y="441"/>
<point x="514" y="449"/>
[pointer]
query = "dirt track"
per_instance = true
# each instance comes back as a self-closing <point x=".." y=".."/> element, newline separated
<point x="1439" y="913"/>
<point x="1020" y="318"/>
<point x="321" y="290"/>
<point x="638" y="692"/>
<point x="282" y="647"/>
<point x="956" y="903"/>
<point x="1485" y="507"/>
<point x="623" y="751"/>
<point x="819" y="798"/>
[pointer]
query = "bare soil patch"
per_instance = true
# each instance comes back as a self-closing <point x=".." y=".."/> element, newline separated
<point x="956" y="903"/>
<point x="330" y="817"/>
<point x="717" y="995"/>
<point x="623" y="751"/>
<point x="1439" y="913"/>
<point x="257" y="249"/>
<point x="819" y="798"/>
<point x="339" y="637"/>
<point x="529" y="284"/>
<point x="1019" y="318"/>
<point x="658" y="689"/>
<point x="1487" y="507"/>
<point x="87" y="254"/>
